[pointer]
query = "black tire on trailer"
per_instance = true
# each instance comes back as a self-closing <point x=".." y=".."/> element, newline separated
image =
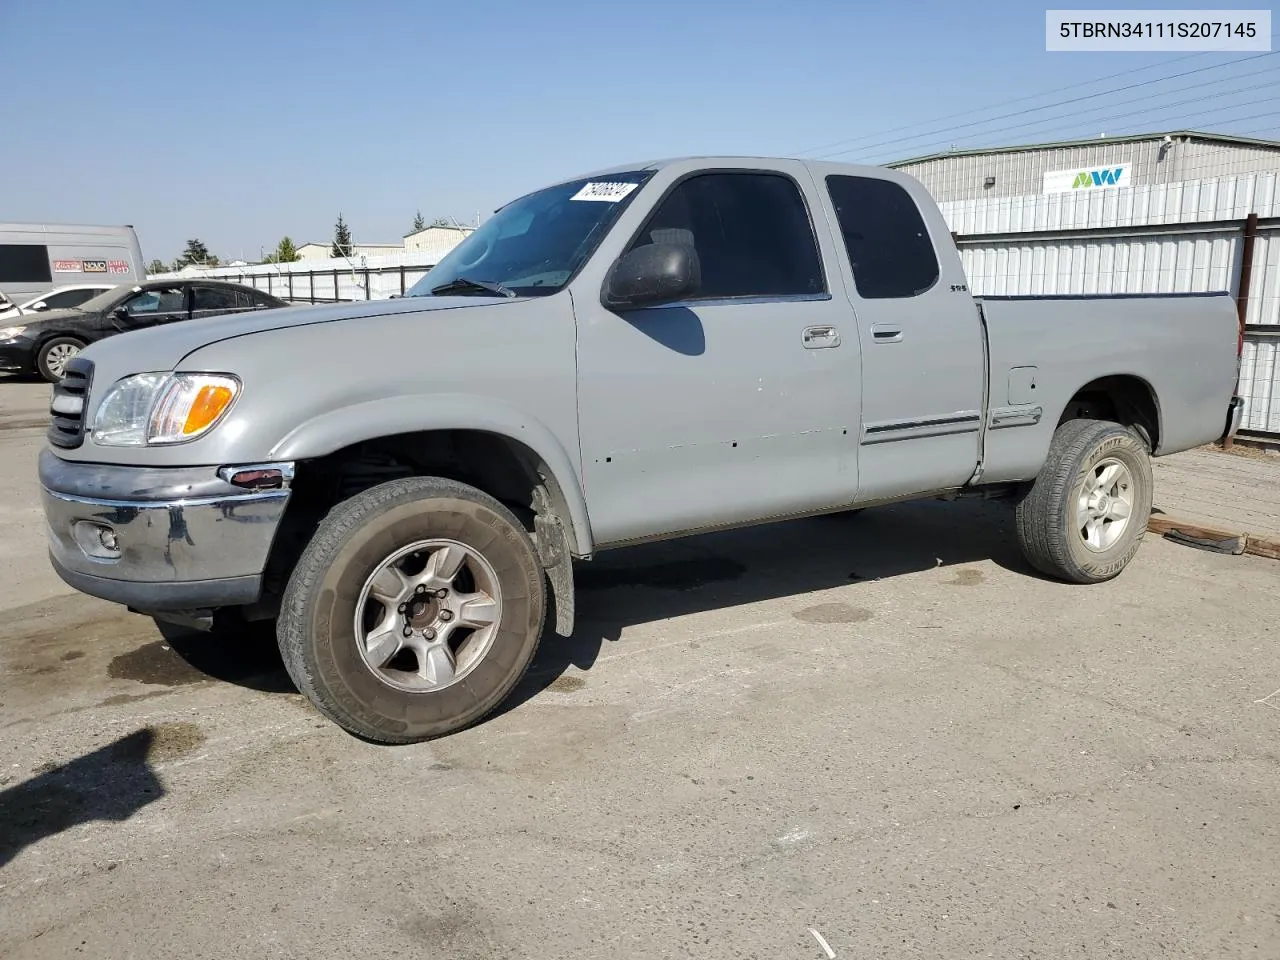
<point x="1084" y="517"/>
<point x="414" y="611"/>
<point x="52" y="357"/>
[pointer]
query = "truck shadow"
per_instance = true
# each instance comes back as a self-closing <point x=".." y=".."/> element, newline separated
<point x="680" y="577"/>
<point x="111" y="783"/>
<point x="687" y="576"/>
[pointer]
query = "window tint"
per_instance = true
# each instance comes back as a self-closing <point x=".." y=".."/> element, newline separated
<point x="243" y="300"/>
<point x="751" y="231"/>
<point x="885" y="236"/>
<point x="24" y="263"/>
<point x="262" y="301"/>
<point x="213" y="298"/>
<point x="168" y="300"/>
<point x="67" y="298"/>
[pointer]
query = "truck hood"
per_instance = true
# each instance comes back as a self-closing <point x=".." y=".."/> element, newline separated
<point x="163" y="348"/>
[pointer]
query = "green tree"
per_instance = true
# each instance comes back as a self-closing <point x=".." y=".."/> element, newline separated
<point x="419" y="222"/>
<point x="157" y="266"/>
<point x="196" y="254"/>
<point x="285" y="252"/>
<point x="341" y="239"/>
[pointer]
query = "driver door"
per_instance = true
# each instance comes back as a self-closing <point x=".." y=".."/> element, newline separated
<point x="149" y="308"/>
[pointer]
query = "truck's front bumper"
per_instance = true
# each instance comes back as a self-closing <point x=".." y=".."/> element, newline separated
<point x="158" y="539"/>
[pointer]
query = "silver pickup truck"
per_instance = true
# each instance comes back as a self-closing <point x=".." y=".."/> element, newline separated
<point x="643" y="353"/>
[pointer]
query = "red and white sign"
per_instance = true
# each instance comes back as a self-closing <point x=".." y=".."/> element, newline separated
<point x="67" y="266"/>
<point x="117" y="266"/>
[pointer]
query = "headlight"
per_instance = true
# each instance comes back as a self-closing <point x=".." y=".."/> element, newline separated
<point x="156" y="408"/>
<point x="8" y="333"/>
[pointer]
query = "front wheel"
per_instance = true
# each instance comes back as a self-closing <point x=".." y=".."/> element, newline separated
<point x="414" y="610"/>
<point x="52" y="359"/>
<point x="1084" y="517"/>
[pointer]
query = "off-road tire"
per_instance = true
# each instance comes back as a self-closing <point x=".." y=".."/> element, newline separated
<point x="1046" y="514"/>
<point x="42" y="356"/>
<point x="316" y="626"/>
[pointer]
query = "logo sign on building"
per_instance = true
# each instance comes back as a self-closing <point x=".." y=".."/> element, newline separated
<point x="91" y="266"/>
<point x="1086" y="178"/>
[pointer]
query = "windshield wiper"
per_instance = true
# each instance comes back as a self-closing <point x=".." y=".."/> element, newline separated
<point x="463" y="285"/>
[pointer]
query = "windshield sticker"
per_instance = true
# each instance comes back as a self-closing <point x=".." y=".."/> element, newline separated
<point x="605" y="192"/>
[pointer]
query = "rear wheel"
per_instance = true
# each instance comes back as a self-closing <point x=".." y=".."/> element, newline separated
<point x="414" y="611"/>
<point x="1084" y="517"/>
<point x="52" y="359"/>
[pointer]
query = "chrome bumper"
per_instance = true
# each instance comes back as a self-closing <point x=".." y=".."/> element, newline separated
<point x="158" y="539"/>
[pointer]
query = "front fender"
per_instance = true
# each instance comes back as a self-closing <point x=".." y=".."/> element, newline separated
<point x="336" y="429"/>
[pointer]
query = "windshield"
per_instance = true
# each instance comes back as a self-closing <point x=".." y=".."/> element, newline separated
<point x="533" y="245"/>
<point x="105" y="300"/>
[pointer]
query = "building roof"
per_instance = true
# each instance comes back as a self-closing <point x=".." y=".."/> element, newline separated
<point x="1225" y="138"/>
<point x="354" y="243"/>
<point x="440" y="226"/>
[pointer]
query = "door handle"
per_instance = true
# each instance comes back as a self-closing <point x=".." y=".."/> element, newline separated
<point x="886" y="333"/>
<point x="816" y="338"/>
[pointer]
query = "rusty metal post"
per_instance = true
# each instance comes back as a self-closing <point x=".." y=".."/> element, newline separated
<point x="1242" y="294"/>
<point x="1246" y="267"/>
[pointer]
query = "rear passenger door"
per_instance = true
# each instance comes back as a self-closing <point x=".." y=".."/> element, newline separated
<point x="924" y="368"/>
<point x="209" y="301"/>
<point x="738" y="403"/>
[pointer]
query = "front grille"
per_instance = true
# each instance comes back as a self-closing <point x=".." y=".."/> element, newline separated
<point x="70" y="398"/>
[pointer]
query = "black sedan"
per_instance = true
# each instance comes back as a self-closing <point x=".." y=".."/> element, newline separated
<point x="43" y="343"/>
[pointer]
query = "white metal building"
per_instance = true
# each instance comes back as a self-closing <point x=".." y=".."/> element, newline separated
<point x="1150" y="213"/>
<point x="323" y="250"/>
<point x="1143" y="158"/>
<point x="437" y="239"/>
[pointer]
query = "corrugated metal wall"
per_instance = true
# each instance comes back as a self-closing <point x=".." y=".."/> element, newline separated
<point x="1192" y="202"/>
<point x="1259" y="370"/>
<point x="1021" y="173"/>
<point x="1159" y="263"/>
<point x="1105" y="243"/>
<point x="1260" y="385"/>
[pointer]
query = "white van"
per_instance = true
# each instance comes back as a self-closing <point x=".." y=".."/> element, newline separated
<point x="36" y="257"/>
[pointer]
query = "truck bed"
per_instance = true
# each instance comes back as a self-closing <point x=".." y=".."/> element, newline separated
<point x="1182" y="347"/>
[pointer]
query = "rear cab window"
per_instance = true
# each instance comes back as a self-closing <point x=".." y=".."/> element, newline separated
<point x="885" y="237"/>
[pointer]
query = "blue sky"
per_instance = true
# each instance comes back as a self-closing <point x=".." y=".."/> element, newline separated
<point x="241" y="122"/>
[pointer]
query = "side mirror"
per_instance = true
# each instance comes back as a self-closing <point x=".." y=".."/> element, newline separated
<point x="652" y="274"/>
<point x="39" y="305"/>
